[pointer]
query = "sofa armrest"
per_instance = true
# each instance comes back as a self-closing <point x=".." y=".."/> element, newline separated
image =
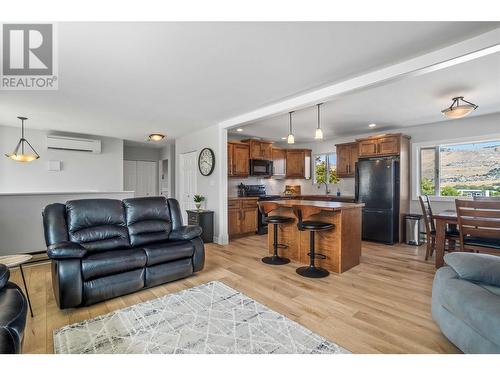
<point x="186" y="232"/>
<point x="4" y="275"/>
<point x="66" y="250"/>
<point x="480" y="268"/>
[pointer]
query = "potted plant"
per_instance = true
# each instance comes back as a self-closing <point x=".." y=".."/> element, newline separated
<point x="197" y="200"/>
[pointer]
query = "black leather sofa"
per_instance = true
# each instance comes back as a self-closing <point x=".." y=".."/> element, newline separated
<point x="105" y="248"/>
<point x="13" y="309"/>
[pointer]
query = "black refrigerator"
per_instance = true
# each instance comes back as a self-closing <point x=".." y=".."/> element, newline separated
<point x="377" y="186"/>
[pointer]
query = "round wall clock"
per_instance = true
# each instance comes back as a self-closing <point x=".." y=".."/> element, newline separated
<point x="206" y="162"/>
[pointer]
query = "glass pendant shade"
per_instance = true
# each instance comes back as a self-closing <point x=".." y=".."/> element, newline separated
<point x="23" y="152"/>
<point x="290" y="139"/>
<point x="457" y="110"/>
<point x="319" y="133"/>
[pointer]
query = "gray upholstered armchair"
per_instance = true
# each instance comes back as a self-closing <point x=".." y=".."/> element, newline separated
<point x="466" y="301"/>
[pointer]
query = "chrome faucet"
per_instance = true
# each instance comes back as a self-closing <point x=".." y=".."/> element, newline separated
<point x="326" y="187"/>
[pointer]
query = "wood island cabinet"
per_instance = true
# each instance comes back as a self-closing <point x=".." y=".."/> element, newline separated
<point x="238" y="159"/>
<point x="347" y="156"/>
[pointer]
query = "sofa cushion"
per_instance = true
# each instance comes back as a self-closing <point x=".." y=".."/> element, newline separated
<point x="473" y="304"/>
<point x="97" y="224"/>
<point x="106" y="263"/>
<point x="148" y="220"/>
<point x="168" y="251"/>
<point x="481" y="268"/>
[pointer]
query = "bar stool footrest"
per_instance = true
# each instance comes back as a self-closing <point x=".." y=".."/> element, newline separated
<point x="317" y="256"/>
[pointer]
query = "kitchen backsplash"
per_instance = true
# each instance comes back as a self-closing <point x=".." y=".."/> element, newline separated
<point x="277" y="186"/>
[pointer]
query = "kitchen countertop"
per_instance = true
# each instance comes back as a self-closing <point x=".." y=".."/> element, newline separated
<point x="326" y="206"/>
<point x="243" y="198"/>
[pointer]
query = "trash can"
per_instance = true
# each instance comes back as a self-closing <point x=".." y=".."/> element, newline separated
<point x="413" y="233"/>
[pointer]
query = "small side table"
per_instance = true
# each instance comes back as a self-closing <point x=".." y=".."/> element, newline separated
<point x="205" y="219"/>
<point x="12" y="261"/>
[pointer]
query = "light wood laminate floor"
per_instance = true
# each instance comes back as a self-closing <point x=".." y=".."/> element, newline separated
<point x="381" y="306"/>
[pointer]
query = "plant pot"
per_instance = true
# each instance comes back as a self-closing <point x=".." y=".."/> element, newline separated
<point x="197" y="205"/>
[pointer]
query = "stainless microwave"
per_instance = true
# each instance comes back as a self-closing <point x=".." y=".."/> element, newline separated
<point x="261" y="168"/>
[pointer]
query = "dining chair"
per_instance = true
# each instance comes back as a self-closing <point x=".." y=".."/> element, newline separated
<point x="479" y="225"/>
<point x="430" y="229"/>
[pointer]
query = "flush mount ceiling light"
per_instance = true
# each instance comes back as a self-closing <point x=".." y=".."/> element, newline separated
<point x="372" y="125"/>
<point x="457" y="110"/>
<point x="156" y="137"/>
<point x="290" y="139"/>
<point x="239" y="130"/>
<point x="23" y="156"/>
<point x="319" y="133"/>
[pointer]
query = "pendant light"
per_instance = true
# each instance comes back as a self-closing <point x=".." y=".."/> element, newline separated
<point x="319" y="133"/>
<point x="22" y="156"/>
<point x="457" y="110"/>
<point x="290" y="139"/>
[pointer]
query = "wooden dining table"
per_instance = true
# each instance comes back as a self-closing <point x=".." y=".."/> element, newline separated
<point x="443" y="219"/>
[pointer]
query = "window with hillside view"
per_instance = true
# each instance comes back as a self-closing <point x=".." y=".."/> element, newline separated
<point x="461" y="170"/>
<point x="325" y="168"/>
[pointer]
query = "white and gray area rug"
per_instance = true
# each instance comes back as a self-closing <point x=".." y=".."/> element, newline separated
<point x="210" y="318"/>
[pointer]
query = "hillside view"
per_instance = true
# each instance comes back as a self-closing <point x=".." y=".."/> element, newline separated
<point x="465" y="170"/>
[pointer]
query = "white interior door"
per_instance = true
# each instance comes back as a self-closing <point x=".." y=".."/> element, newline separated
<point x="129" y="175"/>
<point x="147" y="180"/>
<point x="188" y="187"/>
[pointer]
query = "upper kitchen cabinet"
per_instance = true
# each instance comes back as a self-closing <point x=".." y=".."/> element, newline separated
<point x="382" y="145"/>
<point x="279" y="162"/>
<point x="238" y="157"/>
<point x="298" y="163"/>
<point x="260" y="150"/>
<point x="347" y="156"/>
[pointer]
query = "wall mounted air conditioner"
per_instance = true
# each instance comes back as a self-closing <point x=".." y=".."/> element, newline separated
<point x="56" y="142"/>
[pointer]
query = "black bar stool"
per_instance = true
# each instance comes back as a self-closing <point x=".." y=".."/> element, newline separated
<point x="312" y="226"/>
<point x="275" y="220"/>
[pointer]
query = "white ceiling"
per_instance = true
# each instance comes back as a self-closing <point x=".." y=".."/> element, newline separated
<point x="409" y="102"/>
<point x="130" y="79"/>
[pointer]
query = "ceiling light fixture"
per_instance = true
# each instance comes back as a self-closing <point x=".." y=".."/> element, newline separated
<point x="290" y="139"/>
<point x="239" y="130"/>
<point x="319" y="133"/>
<point x="457" y="110"/>
<point x="23" y="157"/>
<point x="156" y="137"/>
<point x="372" y="125"/>
<point x="283" y="138"/>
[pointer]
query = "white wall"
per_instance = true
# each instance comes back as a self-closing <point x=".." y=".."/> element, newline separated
<point x="213" y="187"/>
<point x="81" y="171"/>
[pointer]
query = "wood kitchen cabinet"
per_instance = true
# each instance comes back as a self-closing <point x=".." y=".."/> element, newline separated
<point x="260" y="150"/>
<point x="238" y="159"/>
<point x="279" y="162"/>
<point x="382" y="145"/>
<point x="242" y="216"/>
<point x="298" y="163"/>
<point x="347" y="156"/>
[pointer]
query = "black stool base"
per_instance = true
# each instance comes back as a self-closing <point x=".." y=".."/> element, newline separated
<point x="312" y="272"/>
<point x="275" y="260"/>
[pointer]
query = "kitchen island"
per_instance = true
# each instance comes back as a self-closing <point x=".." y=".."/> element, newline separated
<point x="341" y="245"/>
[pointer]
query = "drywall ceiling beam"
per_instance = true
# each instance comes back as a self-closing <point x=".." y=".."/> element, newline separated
<point x="467" y="50"/>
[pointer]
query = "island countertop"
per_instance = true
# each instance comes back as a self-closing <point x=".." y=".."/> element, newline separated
<point x="324" y="205"/>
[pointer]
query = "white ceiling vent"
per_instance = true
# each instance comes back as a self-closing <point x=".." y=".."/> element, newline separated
<point x="55" y="142"/>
